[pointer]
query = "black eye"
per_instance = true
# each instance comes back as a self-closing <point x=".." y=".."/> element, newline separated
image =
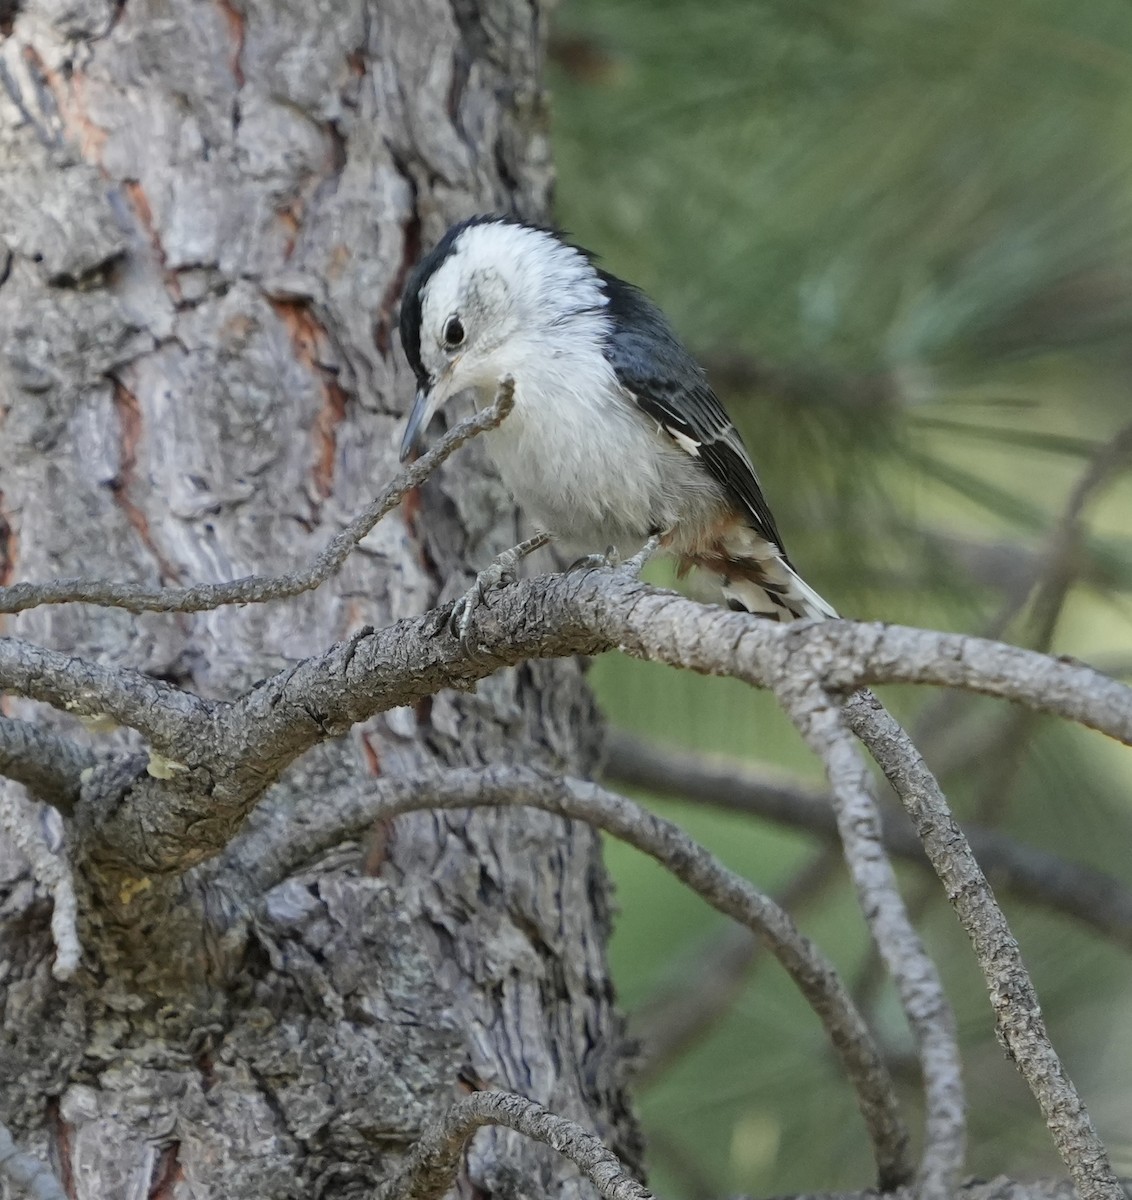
<point x="453" y="333"/>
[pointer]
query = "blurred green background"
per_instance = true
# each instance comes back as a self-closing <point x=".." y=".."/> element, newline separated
<point x="899" y="234"/>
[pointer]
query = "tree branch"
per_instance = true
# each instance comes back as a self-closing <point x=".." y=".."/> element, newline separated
<point x="241" y="748"/>
<point x="279" y="850"/>
<point x="1058" y="568"/>
<point x="1098" y="900"/>
<point x="819" y="720"/>
<point x="47" y="764"/>
<point x="19" y="819"/>
<point x="1061" y="561"/>
<point x="174" y="721"/>
<point x="256" y="589"/>
<point x="1018" y="1018"/>
<point x="588" y="612"/>
<point x="434" y="1161"/>
<point x="25" y="1172"/>
<point x="705" y="985"/>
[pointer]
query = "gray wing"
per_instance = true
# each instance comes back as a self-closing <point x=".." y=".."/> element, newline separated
<point x="671" y="387"/>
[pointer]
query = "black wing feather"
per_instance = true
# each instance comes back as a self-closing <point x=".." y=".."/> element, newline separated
<point x="671" y="387"/>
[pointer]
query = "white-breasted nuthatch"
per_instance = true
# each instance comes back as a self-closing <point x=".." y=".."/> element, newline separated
<point x="615" y="437"/>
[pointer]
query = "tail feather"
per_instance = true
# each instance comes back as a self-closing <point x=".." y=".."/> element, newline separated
<point x="770" y="587"/>
<point x="756" y="576"/>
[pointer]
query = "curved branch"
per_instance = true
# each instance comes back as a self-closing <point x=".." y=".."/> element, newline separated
<point x="176" y="722"/>
<point x="47" y="764"/>
<point x="279" y="850"/>
<point x="1058" y="568"/>
<point x="434" y="1161"/>
<point x="1062" y="555"/>
<point x="820" y="722"/>
<point x="232" y="752"/>
<point x="1018" y="1017"/>
<point x="588" y="612"/>
<point x="244" y="747"/>
<point x="255" y="589"/>
<point x="1098" y="900"/>
<point x="706" y="984"/>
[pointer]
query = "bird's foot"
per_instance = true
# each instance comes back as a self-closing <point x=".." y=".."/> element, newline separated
<point x="501" y="571"/>
<point x="590" y="562"/>
<point x="635" y="565"/>
<point x="613" y="561"/>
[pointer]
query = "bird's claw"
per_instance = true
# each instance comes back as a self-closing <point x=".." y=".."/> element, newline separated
<point x="499" y="573"/>
<point x="590" y="562"/>
<point x="613" y="561"/>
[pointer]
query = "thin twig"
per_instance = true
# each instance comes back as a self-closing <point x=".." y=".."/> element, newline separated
<point x="1018" y="1018"/>
<point x="819" y="720"/>
<point x="727" y="892"/>
<point x="1060" y="567"/>
<point x="47" y="764"/>
<point x="1098" y="900"/>
<point x="703" y="989"/>
<point x="1060" y="561"/>
<point x="25" y="1172"/>
<point x="1044" y="585"/>
<point x="256" y="589"/>
<point x="20" y="820"/>
<point x="434" y="1161"/>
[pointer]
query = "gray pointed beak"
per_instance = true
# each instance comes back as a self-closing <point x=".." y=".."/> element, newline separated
<point x="425" y="405"/>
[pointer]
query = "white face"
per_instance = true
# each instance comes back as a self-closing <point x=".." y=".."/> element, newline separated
<point x="503" y="293"/>
<point x="468" y="311"/>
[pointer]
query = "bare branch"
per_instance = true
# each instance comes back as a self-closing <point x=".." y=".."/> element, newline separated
<point x="1058" y="569"/>
<point x="25" y="1172"/>
<point x="1018" y="1018"/>
<point x="725" y="891"/>
<point x="705" y="986"/>
<point x="1098" y="900"/>
<point x="20" y="820"/>
<point x="1061" y="560"/>
<point x="176" y="722"/>
<point x="588" y="612"/>
<point x="434" y="1161"/>
<point x="819" y="720"/>
<point x="243" y="747"/>
<point x="255" y="589"/>
<point x="47" y="764"/>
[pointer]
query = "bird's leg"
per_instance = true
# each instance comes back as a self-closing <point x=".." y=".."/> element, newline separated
<point x="614" y="562"/>
<point x="636" y="564"/>
<point x="502" y="570"/>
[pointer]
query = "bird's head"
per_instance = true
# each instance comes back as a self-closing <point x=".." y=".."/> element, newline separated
<point x="493" y="296"/>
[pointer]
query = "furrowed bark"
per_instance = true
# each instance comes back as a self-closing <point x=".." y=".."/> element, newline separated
<point x="207" y="213"/>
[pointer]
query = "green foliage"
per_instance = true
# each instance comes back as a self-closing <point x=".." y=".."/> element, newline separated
<point x="899" y="233"/>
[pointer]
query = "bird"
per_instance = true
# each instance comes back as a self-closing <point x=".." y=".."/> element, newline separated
<point x="615" y="438"/>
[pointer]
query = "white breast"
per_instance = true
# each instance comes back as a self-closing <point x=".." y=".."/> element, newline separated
<point x="584" y="462"/>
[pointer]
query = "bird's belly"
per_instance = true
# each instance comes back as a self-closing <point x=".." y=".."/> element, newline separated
<point x="599" y="476"/>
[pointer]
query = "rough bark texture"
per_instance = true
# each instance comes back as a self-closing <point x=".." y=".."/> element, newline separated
<point x="207" y="211"/>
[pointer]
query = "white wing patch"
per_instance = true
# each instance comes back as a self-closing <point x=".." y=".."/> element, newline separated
<point x="687" y="444"/>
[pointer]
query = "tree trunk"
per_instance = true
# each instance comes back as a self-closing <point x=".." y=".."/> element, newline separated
<point x="207" y="212"/>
